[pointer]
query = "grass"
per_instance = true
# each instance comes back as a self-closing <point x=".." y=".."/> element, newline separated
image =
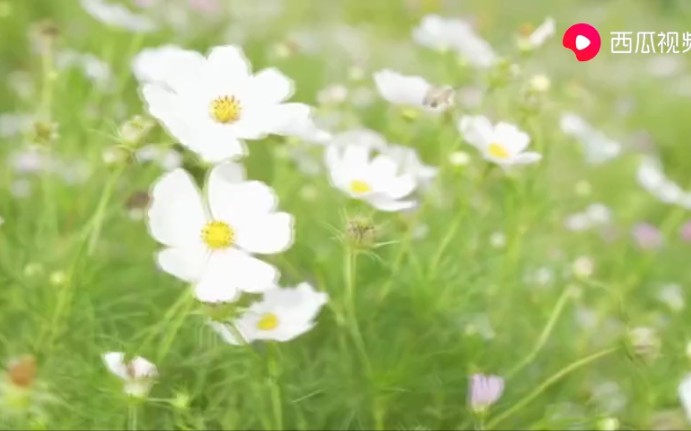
<point x="408" y="322"/>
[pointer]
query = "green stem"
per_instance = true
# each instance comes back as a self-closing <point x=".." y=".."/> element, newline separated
<point x="96" y="223"/>
<point x="274" y="387"/>
<point x="547" y="383"/>
<point x="132" y="417"/>
<point x="173" y="329"/>
<point x="544" y="336"/>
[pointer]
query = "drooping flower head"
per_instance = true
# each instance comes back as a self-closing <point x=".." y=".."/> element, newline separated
<point x="211" y="242"/>
<point x="213" y="104"/>
<point x="138" y="374"/>
<point x="413" y="91"/>
<point x="503" y="144"/>
<point x="485" y="390"/>
<point x="282" y="315"/>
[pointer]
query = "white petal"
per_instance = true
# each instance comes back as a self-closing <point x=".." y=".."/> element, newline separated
<point x="238" y="201"/>
<point x="384" y="203"/>
<point x="115" y="362"/>
<point x="513" y="139"/>
<point x="272" y="86"/>
<point x="267" y="234"/>
<point x="401" y="89"/>
<point x="219" y="147"/>
<point x="527" y="158"/>
<point x="477" y="130"/>
<point x="143" y="368"/>
<point x="186" y="263"/>
<point x="251" y="274"/>
<point x="216" y="285"/>
<point x="286" y="116"/>
<point x="162" y="104"/>
<point x="176" y="215"/>
<point x="228" y="64"/>
<point x="168" y="65"/>
<point x="400" y="187"/>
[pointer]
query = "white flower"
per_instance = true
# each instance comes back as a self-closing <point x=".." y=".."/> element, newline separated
<point x="595" y="215"/>
<point x="540" y="83"/>
<point x="454" y="34"/>
<point x="597" y="147"/>
<point x="118" y="15"/>
<point x="138" y="374"/>
<point x="412" y="91"/>
<point x="503" y="144"/>
<point x="583" y="267"/>
<point x="540" y="35"/>
<point x="212" y="104"/>
<point x="166" y="65"/>
<point x="407" y="158"/>
<point x="380" y="181"/>
<point x="652" y="178"/>
<point x="282" y="315"/>
<point x="213" y="248"/>
<point x="685" y="395"/>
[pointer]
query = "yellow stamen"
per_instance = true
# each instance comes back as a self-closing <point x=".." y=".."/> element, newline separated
<point x="498" y="151"/>
<point x="218" y="235"/>
<point x="226" y="109"/>
<point x="360" y="187"/>
<point x="268" y="322"/>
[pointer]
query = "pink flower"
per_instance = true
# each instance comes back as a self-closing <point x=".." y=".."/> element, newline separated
<point x="484" y="391"/>
<point x="647" y="236"/>
<point x="686" y="232"/>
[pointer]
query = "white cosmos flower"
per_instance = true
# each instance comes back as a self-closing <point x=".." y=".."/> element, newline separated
<point x="211" y="104"/>
<point x="540" y="35"/>
<point x="282" y="315"/>
<point x="118" y="15"/>
<point x="440" y="33"/>
<point x="597" y="147"/>
<point x="652" y="178"/>
<point x="210" y="243"/>
<point x="503" y="144"/>
<point x="412" y="91"/>
<point x="138" y="374"/>
<point x="406" y="158"/>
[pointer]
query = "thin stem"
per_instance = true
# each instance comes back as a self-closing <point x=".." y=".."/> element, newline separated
<point x="274" y="387"/>
<point x="132" y="417"/>
<point x="174" y="327"/>
<point x="546" y="332"/>
<point x="96" y="223"/>
<point x="547" y="383"/>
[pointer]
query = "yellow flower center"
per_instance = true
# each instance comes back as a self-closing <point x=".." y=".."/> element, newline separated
<point x="360" y="187"/>
<point x="217" y="235"/>
<point x="498" y="151"/>
<point x="268" y="322"/>
<point x="226" y="109"/>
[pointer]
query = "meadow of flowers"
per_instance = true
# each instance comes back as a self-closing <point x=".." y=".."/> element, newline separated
<point x="310" y="214"/>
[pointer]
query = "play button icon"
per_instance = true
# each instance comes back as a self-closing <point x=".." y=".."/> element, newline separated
<point x="583" y="40"/>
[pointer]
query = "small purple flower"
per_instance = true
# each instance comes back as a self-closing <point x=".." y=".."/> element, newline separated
<point x="686" y="232"/>
<point x="485" y="391"/>
<point x="647" y="236"/>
